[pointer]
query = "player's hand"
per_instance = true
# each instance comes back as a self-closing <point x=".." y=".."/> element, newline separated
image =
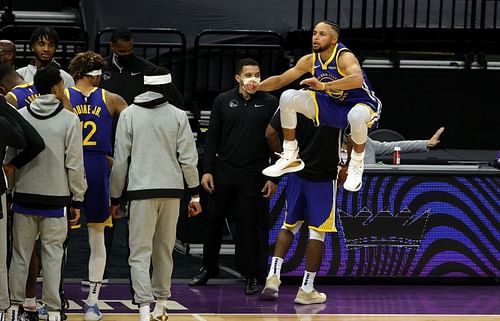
<point x="312" y="83"/>
<point x="342" y="175"/>
<point x="110" y="161"/>
<point x="251" y="86"/>
<point x="75" y="216"/>
<point x="434" y="140"/>
<point x="207" y="181"/>
<point x="114" y="210"/>
<point x="194" y="208"/>
<point x="8" y="169"/>
<point x="269" y="189"/>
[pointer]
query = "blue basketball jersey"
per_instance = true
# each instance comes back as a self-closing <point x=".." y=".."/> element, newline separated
<point x="95" y="119"/>
<point x="24" y="94"/>
<point x="329" y="71"/>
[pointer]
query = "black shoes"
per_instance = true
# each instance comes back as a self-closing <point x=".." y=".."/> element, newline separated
<point x="202" y="277"/>
<point x="251" y="286"/>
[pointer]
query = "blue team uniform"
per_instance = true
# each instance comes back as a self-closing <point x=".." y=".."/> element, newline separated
<point x="96" y="124"/>
<point x="332" y="106"/>
<point x="313" y="201"/>
<point x="24" y="94"/>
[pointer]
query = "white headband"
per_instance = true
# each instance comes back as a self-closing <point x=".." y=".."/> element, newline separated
<point x="96" y="72"/>
<point x="158" y="80"/>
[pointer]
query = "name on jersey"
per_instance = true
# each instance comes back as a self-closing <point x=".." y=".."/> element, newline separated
<point x="31" y="98"/>
<point x="87" y="109"/>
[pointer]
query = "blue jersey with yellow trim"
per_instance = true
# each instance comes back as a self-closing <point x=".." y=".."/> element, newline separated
<point x="24" y="94"/>
<point x="328" y="71"/>
<point x="95" y="119"/>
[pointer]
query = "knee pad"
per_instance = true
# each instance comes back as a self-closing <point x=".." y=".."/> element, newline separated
<point x="294" y="229"/>
<point x="358" y="118"/>
<point x="286" y="99"/>
<point x="315" y="235"/>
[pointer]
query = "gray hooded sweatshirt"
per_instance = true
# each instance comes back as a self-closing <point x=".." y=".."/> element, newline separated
<point x="56" y="173"/>
<point x="158" y="139"/>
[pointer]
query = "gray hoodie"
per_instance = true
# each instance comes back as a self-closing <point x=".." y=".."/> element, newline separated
<point x="158" y="139"/>
<point x="56" y="173"/>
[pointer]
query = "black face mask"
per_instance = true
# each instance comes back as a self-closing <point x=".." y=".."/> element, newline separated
<point x="123" y="60"/>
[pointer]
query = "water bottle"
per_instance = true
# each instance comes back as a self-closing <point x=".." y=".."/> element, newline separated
<point x="396" y="156"/>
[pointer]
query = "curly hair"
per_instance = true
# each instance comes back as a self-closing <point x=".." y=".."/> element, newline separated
<point x="85" y="62"/>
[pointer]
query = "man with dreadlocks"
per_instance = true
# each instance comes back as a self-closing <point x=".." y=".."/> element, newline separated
<point x="95" y="107"/>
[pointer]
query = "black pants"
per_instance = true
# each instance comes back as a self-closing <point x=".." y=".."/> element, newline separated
<point x="244" y="203"/>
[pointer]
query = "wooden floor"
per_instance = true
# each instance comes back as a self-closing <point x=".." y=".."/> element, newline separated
<point x="298" y="317"/>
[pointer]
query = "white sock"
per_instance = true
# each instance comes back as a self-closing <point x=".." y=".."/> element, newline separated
<point x="291" y="145"/>
<point x="144" y="312"/>
<point x="357" y="156"/>
<point x="160" y="304"/>
<point x="95" y="288"/>
<point x="275" y="268"/>
<point x="30" y="304"/>
<point x="308" y="281"/>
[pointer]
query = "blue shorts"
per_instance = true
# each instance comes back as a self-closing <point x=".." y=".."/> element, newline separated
<point x="311" y="201"/>
<point x="329" y="113"/>
<point x="96" y="202"/>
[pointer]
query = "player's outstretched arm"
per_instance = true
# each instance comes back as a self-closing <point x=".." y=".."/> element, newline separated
<point x="279" y="81"/>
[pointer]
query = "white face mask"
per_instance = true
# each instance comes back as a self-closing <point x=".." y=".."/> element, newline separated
<point x="250" y="79"/>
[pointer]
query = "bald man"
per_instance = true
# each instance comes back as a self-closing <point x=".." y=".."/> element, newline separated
<point x="7" y="52"/>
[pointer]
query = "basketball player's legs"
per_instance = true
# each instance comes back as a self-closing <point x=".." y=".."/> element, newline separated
<point x="295" y="209"/>
<point x="320" y="201"/>
<point x="96" y="210"/>
<point x="97" y="263"/>
<point x="291" y="102"/>
<point x="142" y="225"/>
<point x="163" y="248"/>
<point x="29" y="305"/>
<point x="360" y="118"/>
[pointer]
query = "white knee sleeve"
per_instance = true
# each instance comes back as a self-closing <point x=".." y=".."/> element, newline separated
<point x="292" y="102"/>
<point x="294" y="229"/>
<point x="315" y="235"/>
<point x="358" y="118"/>
<point x="97" y="260"/>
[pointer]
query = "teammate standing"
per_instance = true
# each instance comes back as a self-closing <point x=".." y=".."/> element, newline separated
<point x="95" y="107"/>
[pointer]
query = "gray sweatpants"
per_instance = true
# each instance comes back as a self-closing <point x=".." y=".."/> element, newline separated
<point x="4" y="289"/>
<point x="152" y="229"/>
<point x="25" y="229"/>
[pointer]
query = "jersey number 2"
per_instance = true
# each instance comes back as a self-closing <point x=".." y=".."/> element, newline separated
<point x="93" y="128"/>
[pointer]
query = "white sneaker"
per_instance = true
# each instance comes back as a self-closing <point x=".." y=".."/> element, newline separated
<point x="159" y="312"/>
<point x="312" y="297"/>
<point x="272" y="287"/>
<point x="12" y="314"/>
<point x="288" y="162"/>
<point x="54" y="316"/>
<point x="145" y="313"/>
<point x="353" y="181"/>
<point x="91" y="313"/>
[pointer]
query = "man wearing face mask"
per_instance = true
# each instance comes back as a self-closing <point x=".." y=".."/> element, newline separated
<point x="235" y="153"/>
<point x="124" y="72"/>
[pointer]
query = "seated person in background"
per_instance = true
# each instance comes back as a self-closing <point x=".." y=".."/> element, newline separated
<point x="376" y="148"/>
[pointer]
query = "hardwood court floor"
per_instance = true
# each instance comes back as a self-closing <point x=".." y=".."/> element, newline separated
<point x="296" y="317"/>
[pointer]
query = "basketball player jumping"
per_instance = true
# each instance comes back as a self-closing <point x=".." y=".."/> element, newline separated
<point x="339" y="96"/>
